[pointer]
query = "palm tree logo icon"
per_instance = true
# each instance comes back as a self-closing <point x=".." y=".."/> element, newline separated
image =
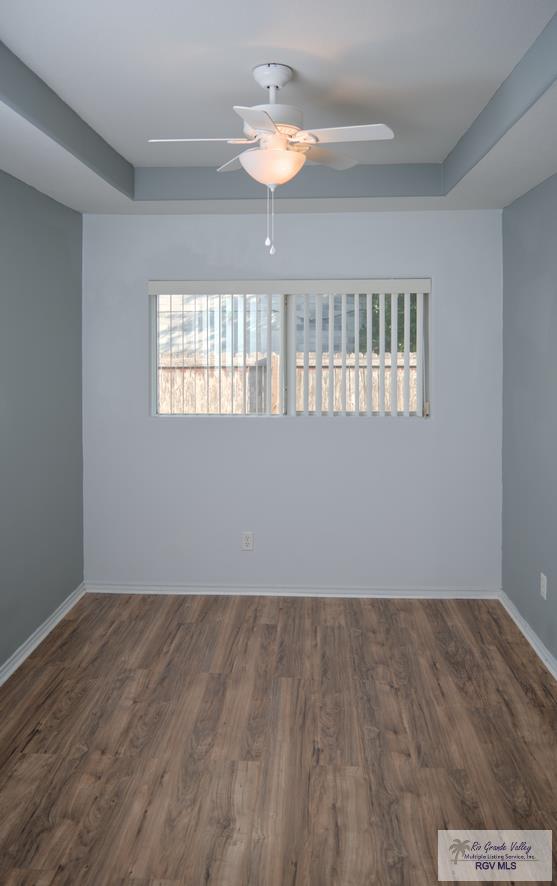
<point x="459" y="847"/>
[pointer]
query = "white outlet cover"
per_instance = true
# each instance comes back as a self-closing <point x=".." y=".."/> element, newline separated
<point x="543" y="585"/>
<point x="246" y="541"/>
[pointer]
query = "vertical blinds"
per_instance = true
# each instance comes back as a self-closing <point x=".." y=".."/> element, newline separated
<point x="298" y="352"/>
<point x="219" y="354"/>
<point x="359" y="353"/>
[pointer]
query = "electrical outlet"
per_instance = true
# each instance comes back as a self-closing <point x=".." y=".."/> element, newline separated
<point x="543" y="585"/>
<point x="246" y="541"/>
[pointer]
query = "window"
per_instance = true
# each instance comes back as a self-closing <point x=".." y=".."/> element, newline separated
<point x="353" y="347"/>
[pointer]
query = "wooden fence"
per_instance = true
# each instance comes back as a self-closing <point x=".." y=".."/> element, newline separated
<point x="210" y="389"/>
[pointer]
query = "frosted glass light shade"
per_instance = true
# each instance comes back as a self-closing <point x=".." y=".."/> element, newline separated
<point x="272" y="166"/>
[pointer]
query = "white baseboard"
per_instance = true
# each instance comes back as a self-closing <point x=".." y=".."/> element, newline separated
<point x="22" y="652"/>
<point x="539" y="648"/>
<point x="292" y="591"/>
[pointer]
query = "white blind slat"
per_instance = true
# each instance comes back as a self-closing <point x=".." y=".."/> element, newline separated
<point x="290" y="307"/>
<point x="220" y="353"/>
<point x="343" y="352"/>
<point x="213" y="303"/>
<point x="356" y="353"/>
<point x="193" y="304"/>
<point x="394" y="353"/>
<point x="257" y="354"/>
<point x="230" y="348"/>
<point x="419" y="353"/>
<point x="306" y="355"/>
<point x="183" y="359"/>
<point x="331" y="407"/>
<point x="381" y="353"/>
<point x="269" y="366"/>
<point x="407" y="353"/>
<point x="282" y="356"/>
<point x="318" y="354"/>
<point x="206" y="343"/>
<point x="369" y="353"/>
<point x="171" y="344"/>
<point x="244" y="303"/>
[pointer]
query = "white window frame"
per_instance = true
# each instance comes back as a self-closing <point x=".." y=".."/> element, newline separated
<point x="288" y="287"/>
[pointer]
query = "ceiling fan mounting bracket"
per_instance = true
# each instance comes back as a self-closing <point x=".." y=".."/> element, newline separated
<point x="273" y="75"/>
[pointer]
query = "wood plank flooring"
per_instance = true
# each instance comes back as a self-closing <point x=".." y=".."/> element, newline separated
<point x="264" y="741"/>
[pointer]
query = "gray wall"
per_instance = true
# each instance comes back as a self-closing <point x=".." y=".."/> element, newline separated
<point x="41" y="545"/>
<point x="340" y="503"/>
<point x="530" y="406"/>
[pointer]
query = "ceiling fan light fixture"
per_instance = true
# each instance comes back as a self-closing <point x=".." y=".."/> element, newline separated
<point x="272" y="166"/>
<point x="283" y="145"/>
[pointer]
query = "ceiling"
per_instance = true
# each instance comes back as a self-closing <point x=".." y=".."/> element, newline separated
<point x="498" y="179"/>
<point x="138" y="69"/>
<point x="134" y="69"/>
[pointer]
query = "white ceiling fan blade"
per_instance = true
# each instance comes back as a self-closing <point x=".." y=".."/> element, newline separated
<point x="230" y="141"/>
<point x="256" y="119"/>
<point x="243" y="141"/>
<point x="367" y="133"/>
<point x="231" y="165"/>
<point x="325" y="157"/>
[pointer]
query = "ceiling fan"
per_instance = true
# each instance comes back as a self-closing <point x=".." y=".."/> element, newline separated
<point x="278" y="145"/>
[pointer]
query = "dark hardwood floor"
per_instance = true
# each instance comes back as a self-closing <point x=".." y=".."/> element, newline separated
<point x="269" y="741"/>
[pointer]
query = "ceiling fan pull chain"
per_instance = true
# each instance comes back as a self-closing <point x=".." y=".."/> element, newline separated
<point x="268" y="239"/>
<point x="272" y="250"/>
